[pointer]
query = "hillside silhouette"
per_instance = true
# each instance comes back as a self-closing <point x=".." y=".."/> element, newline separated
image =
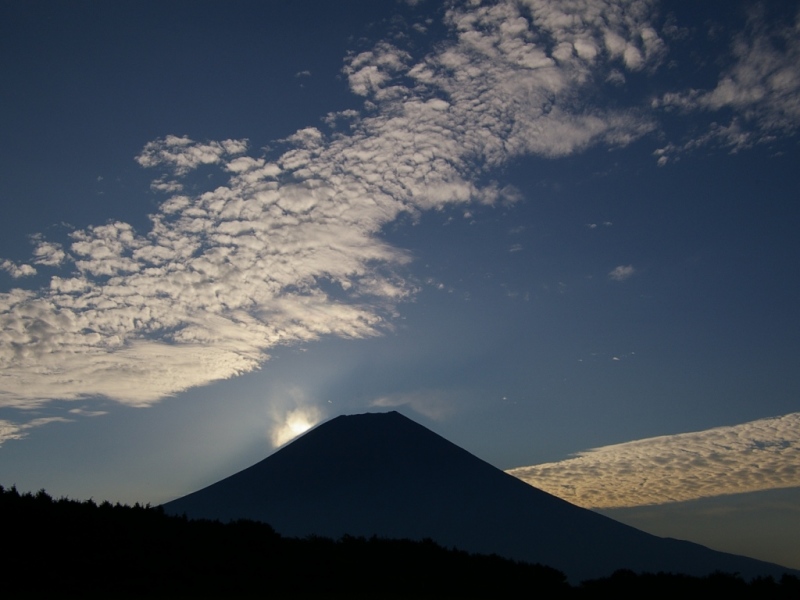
<point x="68" y="549"/>
<point x="386" y="475"/>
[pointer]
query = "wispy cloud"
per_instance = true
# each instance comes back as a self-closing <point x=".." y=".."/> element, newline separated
<point x="82" y="412"/>
<point x="292" y="411"/>
<point x="434" y="404"/>
<point x="757" y="97"/>
<point x="759" y="455"/>
<point x="295" y="423"/>
<point x="621" y="272"/>
<point x="10" y="430"/>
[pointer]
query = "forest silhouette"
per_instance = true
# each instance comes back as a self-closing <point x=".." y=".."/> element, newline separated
<point x="68" y="548"/>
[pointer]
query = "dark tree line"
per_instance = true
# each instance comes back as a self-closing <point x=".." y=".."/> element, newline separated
<point x="67" y="548"/>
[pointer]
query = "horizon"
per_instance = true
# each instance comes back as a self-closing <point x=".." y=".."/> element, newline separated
<point x="561" y="237"/>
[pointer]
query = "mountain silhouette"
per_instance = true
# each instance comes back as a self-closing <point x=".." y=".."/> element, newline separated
<point x="384" y="474"/>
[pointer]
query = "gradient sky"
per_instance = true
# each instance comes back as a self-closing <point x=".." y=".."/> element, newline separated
<point x="564" y="235"/>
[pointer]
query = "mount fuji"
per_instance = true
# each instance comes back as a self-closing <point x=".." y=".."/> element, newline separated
<point x="384" y="474"/>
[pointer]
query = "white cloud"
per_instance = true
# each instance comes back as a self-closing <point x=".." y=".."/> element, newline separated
<point x="16" y="270"/>
<point x="48" y="254"/>
<point x="764" y="83"/>
<point x="434" y="404"/>
<point x="761" y="89"/>
<point x="166" y="186"/>
<point x="9" y="431"/>
<point x="616" y="77"/>
<point x="333" y="119"/>
<point x="87" y="413"/>
<point x="368" y="72"/>
<point x="296" y="422"/>
<point x="292" y="412"/>
<point x="621" y="272"/>
<point x="759" y="455"/>
<point x="287" y="248"/>
<point x="183" y="155"/>
<point x="17" y="431"/>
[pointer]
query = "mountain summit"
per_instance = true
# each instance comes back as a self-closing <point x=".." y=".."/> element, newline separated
<point x="384" y="474"/>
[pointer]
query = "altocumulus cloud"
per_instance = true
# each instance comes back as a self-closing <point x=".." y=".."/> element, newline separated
<point x="288" y="248"/>
<point x="759" y="455"/>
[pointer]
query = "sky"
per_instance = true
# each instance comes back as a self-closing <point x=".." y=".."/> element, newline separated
<point x="563" y="235"/>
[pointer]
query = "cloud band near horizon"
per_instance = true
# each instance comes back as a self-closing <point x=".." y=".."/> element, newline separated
<point x="755" y="456"/>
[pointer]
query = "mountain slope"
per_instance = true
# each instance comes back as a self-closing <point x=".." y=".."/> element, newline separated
<point x="384" y="474"/>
